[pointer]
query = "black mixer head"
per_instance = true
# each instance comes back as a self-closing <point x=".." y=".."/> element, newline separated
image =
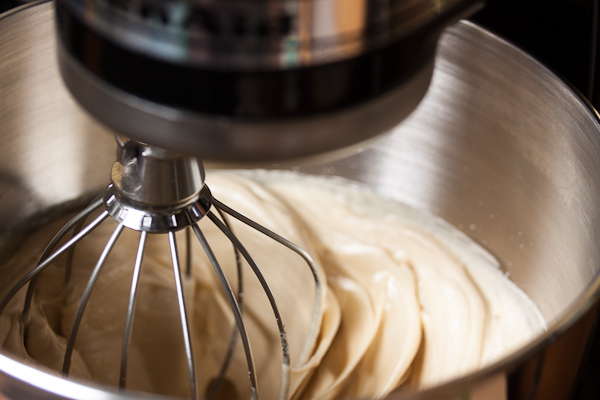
<point x="254" y="80"/>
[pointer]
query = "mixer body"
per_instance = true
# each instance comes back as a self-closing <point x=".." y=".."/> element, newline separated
<point x="239" y="81"/>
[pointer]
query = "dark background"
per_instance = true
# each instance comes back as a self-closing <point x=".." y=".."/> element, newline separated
<point x="563" y="35"/>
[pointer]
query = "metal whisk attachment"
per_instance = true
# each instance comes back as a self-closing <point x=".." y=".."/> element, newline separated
<point x="155" y="191"/>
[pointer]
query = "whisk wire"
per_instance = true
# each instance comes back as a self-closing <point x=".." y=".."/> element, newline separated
<point x="68" y="279"/>
<point x="234" y="308"/>
<point x="130" y="309"/>
<point x="216" y="384"/>
<point x="315" y="321"/>
<point x="86" y="296"/>
<point x="183" y="314"/>
<point x="188" y="252"/>
<point x="45" y="262"/>
<point x="78" y="220"/>
<point x="285" y="368"/>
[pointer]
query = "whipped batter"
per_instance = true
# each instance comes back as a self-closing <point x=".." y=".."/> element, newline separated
<point x="407" y="299"/>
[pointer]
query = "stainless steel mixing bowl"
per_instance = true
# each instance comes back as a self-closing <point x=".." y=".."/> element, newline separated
<point x="500" y="148"/>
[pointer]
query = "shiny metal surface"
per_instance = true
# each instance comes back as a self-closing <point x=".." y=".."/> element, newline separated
<point x="155" y="190"/>
<point x="258" y="34"/>
<point x="155" y="177"/>
<point x="155" y="220"/>
<point x="499" y="147"/>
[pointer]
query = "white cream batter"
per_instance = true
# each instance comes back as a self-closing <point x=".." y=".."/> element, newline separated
<point x="407" y="299"/>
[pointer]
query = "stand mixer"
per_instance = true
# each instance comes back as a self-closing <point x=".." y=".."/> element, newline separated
<point x="232" y="81"/>
<point x="497" y="135"/>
